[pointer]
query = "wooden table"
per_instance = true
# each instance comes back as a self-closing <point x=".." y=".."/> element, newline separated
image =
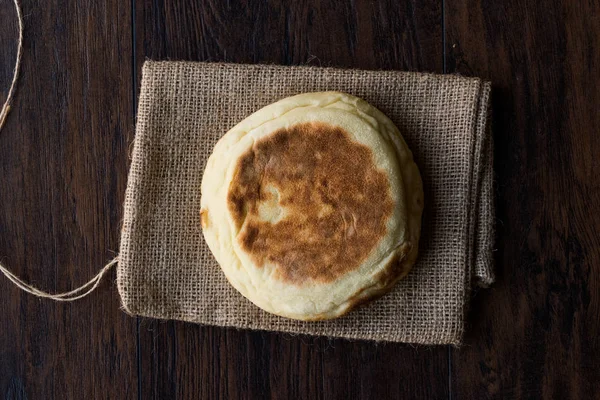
<point x="63" y="171"/>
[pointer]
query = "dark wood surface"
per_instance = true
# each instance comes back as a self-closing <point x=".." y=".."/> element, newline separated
<point x="63" y="171"/>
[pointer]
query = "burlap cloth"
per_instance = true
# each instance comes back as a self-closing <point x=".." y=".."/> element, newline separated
<point x="167" y="271"/>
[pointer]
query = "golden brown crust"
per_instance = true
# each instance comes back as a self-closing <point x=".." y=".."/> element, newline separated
<point x="204" y="218"/>
<point x="395" y="270"/>
<point x="310" y="201"/>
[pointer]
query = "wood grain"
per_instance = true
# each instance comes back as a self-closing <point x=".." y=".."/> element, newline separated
<point x="183" y="360"/>
<point x="63" y="171"/>
<point x="536" y="333"/>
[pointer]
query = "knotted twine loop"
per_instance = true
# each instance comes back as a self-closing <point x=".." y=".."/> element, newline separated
<point x="92" y="284"/>
<point x="13" y="85"/>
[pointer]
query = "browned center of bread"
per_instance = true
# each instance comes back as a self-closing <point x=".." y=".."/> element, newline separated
<point x="311" y="201"/>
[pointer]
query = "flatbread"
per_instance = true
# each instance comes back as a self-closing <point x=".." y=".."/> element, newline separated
<point x="312" y="205"/>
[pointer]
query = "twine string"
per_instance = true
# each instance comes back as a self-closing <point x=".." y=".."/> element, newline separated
<point x="72" y="295"/>
<point x="13" y="85"/>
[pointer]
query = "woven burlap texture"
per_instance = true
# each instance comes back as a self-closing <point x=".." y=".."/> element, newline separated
<point x="167" y="271"/>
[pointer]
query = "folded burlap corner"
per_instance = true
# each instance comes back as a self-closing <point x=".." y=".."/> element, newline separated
<point x="166" y="270"/>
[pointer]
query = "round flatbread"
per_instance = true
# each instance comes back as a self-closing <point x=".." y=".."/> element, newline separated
<point x="312" y="205"/>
